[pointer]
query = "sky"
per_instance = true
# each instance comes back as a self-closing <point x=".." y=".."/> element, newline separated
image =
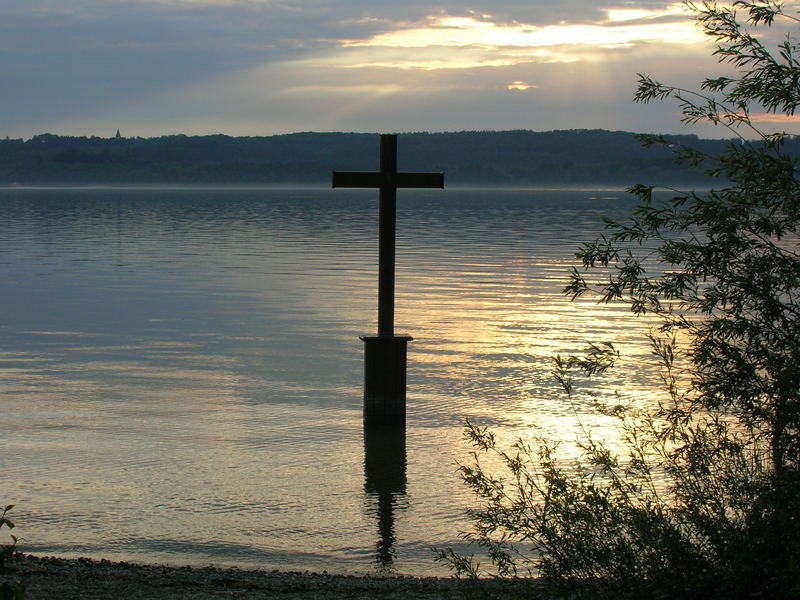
<point x="263" y="67"/>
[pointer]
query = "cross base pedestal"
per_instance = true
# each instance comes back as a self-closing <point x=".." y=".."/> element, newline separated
<point x="385" y="379"/>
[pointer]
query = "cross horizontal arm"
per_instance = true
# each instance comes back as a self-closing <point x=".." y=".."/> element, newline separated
<point x="357" y="180"/>
<point x="350" y="179"/>
<point x="419" y="180"/>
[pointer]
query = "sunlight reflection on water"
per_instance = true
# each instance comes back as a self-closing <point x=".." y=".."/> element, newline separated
<point x="181" y="372"/>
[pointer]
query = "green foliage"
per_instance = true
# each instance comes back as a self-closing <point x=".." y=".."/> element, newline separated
<point x="705" y="500"/>
<point x="9" y="592"/>
<point x="7" y="551"/>
<point x="8" y="554"/>
<point x="504" y="157"/>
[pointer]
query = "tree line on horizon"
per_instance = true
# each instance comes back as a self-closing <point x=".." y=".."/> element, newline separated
<point x="567" y="157"/>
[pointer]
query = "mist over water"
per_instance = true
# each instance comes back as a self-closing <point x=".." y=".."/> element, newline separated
<point x="180" y="370"/>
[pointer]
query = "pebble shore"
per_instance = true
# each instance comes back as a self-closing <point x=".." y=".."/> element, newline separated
<point x="48" y="578"/>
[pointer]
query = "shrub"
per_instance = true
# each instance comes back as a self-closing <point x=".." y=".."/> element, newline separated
<point x="8" y="555"/>
<point x="704" y="502"/>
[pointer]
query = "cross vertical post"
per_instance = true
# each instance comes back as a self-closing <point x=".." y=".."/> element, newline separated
<point x="387" y="227"/>
<point x="385" y="353"/>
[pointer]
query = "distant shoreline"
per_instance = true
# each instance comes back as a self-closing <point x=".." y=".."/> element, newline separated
<point x="600" y="187"/>
<point x="467" y="158"/>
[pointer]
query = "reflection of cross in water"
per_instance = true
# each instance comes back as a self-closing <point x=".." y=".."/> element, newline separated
<point x="385" y="478"/>
<point x="385" y="353"/>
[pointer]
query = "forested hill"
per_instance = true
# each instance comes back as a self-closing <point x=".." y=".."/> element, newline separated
<point x="571" y="157"/>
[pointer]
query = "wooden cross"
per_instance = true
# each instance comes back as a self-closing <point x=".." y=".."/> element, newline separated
<point x="387" y="180"/>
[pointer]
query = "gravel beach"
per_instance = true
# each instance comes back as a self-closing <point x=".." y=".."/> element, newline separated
<point x="48" y="578"/>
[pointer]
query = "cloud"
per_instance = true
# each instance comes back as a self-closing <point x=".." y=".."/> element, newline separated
<point x="476" y="41"/>
<point x="469" y="31"/>
<point x="441" y="58"/>
<point x="618" y="15"/>
<point x="265" y="66"/>
<point x="774" y="118"/>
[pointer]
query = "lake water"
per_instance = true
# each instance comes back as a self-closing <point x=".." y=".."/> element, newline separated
<point x="180" y="370"/>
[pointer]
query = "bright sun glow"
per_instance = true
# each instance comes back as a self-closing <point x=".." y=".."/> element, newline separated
<point x="521" y="86"/>
<point x="496" y="44"/>
<point x="450" y="31"/>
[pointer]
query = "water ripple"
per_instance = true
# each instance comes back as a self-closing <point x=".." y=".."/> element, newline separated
<point x="181" y="372"/>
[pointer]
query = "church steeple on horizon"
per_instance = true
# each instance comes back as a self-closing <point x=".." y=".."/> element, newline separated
<point x="118" y="136"/>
